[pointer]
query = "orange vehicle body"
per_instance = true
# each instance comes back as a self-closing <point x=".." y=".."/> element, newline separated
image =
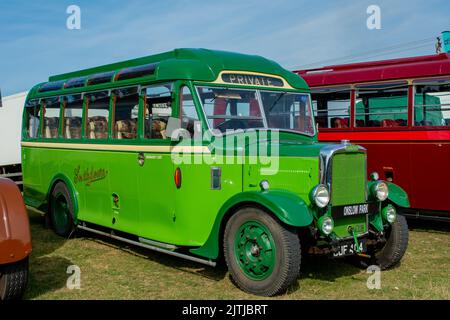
<point x="15" y="238"/>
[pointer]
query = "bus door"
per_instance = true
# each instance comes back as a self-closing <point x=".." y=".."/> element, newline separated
<point x="156" y="188"/>
<point x="123" y="169"/>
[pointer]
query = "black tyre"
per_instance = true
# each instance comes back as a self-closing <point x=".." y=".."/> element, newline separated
<point x="13" y="280"/>
<point x="393" y="250"/>
<point x="61" y="210"/>
<point x="262" y="255"/>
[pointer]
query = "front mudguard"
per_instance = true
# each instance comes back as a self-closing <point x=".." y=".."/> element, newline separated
<point x="288" y="207"/>
<point x="397" y="196"/>
<point x="15" y="238"/>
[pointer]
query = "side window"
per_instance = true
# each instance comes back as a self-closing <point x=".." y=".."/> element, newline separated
<point x="383" y="105"/>
<point x="32" y="119"/>
<point x="51" y="108"/>
<point x="432" y="103"/>
<point x="331" y="107"/>
<point x="73" y="114"/>
<point x="97" y="115"/>
<point x="188" y="114"/>
<point x="126" y="112"/>
<point x="157" y="110"/>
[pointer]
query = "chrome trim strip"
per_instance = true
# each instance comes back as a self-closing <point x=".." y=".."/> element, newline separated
<point x="158" y="244"/>
<point x="148" y="246"/>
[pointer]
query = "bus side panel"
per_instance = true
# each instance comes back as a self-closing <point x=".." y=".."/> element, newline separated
<point x="34" y="191"/>
<point x="122" y="177"/>
<point x="390" y="160"/>
<point x="419" y="167"/>
<point x="156" y="190"/>
<point x="88" y="173"/>
<point x="197" y="205"/>
<point x="430" y="170"/>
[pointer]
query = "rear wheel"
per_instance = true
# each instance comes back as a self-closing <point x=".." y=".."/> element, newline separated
<point x="13" y="280"/>
<point x="61" y="210"/>
<point x="262" y="255"/>
<point x="390" y="254"/>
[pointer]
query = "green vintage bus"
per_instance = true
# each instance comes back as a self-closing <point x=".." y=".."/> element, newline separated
<point x="205" y="154"/>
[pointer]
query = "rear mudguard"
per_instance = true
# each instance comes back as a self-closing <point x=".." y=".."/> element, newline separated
<point x="15" y="238"/>
<point x="288" y="207"/>
<point x="72" y="191"/>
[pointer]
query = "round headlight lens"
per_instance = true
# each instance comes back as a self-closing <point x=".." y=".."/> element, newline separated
<point x="321" y="196"/>
<point x="390" y="214"/>
<point x="327" y="225"/>
<point x="381" y="191"/>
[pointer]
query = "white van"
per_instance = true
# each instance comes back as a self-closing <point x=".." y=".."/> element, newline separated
<point x="10" y="125"/>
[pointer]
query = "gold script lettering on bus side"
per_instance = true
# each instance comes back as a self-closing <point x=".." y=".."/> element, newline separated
<point x="88" y="176"/>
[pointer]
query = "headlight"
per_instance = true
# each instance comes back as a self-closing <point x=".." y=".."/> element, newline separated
<point x="326" y="225"/>
<point x="320" y="196"/>
<point x="389" y="214"/>
<point x="380" y="190"/>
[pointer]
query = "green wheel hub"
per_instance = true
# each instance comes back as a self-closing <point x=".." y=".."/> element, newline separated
<point x="254" y="250"/>
<point x="61" y="212"/>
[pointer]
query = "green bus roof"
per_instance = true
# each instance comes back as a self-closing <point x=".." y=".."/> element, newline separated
<point x="191" y="64"/>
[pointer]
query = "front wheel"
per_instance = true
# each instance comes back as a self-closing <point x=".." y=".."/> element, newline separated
<point x="13" y="280"/>
<point x="393" y="250"/>
<point x="262" y="255"/>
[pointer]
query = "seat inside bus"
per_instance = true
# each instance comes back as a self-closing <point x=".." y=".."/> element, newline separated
<point x="339" y="122"/>
<point x="126" y="129"/>
<point x="73" y="128"/>
<point x="156" y="117"/>
<point x="51" y="126"/>
<point x="97" y="127"/>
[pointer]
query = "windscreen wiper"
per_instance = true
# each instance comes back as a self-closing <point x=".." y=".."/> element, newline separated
<point x="276" y="101"/>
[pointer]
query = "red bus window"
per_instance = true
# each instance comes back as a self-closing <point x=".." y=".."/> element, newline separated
<point x="432" y="103"/>
<point x="331" y="107"/>
<point x="384" y="105"/>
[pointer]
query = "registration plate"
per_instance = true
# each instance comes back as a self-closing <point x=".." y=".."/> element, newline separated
<point x="354" y="210"/>
<point x="348" y="248"/>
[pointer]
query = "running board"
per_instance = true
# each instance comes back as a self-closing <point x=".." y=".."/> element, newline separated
<point x="149" y="244"/>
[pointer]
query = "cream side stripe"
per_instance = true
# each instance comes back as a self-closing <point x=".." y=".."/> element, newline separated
<point x="115" y="147"/>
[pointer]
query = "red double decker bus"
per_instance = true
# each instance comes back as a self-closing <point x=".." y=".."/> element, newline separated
<point x="400" y="111"/>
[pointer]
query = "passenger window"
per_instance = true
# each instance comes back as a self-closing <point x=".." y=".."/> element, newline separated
<point x="73" y="114"/>
<point x="432" y="103"/>
<point x="97" y="115"/>
<point x="157" y="110"/>
<point x="51" y="108"/>
<point x="126" y="112"/>
<point x="33" y="117"/>
<point x="383" y="105"/>
<point x="331" y="107"/>
<point x="188" y="113"/>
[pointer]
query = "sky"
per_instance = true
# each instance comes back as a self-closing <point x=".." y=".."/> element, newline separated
<point x="35" y="42"/>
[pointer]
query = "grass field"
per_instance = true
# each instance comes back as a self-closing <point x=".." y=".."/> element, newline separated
<point x="112" y="270"/>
